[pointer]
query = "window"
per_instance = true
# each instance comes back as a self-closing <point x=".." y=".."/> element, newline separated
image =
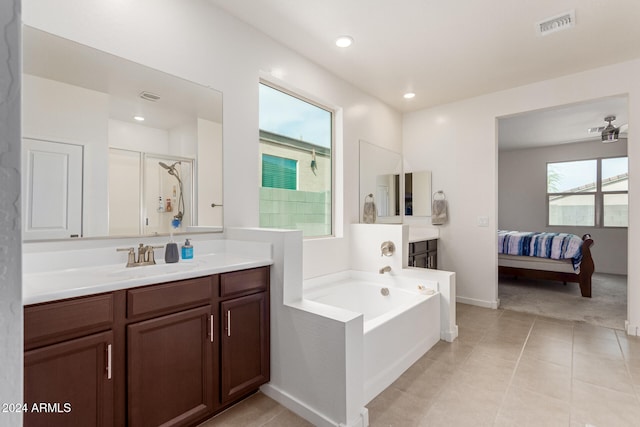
<point x="278" y="172"/>
<point x="592" y="193"/>
<point x="296" y="145"/>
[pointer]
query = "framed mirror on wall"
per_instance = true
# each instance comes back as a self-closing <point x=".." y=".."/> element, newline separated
<point x="120" y="120"/>
<point x="380" y="175"/>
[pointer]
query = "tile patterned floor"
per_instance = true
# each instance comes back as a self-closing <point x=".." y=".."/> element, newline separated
<point x="505" y="369"/>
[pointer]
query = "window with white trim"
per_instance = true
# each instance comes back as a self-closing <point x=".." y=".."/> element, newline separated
<point x="588" y="193"/>
<point x="296" y="162"/>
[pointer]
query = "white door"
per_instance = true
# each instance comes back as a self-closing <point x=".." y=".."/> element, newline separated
<point x="51" y="189"/>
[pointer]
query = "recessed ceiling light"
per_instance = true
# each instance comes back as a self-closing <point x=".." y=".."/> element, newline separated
<point x="409" y="95"/>
<point x="138" y="118"/>
<point x="344" y="41"/>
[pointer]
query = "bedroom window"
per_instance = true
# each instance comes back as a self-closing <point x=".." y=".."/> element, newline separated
<point x="296" y="151"/>
<point x="588" y="193"/>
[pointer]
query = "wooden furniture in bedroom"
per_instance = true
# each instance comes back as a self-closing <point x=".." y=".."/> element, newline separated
<point x="583" y="278"/>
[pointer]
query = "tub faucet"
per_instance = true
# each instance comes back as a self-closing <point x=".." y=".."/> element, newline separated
<point x="384" y="269"/>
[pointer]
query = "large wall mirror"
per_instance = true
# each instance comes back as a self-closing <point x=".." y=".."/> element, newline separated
<point x="380" y="172"/>
<point x="114" y="148"/>
<point x="417" y="193"/>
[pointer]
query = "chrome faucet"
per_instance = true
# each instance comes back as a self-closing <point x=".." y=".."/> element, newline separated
<point x="145" y="256"/>
<point x="384" y="269"/>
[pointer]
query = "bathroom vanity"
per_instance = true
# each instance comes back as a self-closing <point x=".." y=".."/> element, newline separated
<point x="422" y="250"/>
<point x="173" y="353"/>
<point x="424" y="254"/>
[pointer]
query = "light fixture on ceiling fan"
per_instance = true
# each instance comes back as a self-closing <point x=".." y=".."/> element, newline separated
<point x="610" y="133"/>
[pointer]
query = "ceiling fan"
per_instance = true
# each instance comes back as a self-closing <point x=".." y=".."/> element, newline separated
<point x="610" y="133"/>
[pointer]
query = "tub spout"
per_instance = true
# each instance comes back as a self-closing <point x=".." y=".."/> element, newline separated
<point x="384" y="269"/>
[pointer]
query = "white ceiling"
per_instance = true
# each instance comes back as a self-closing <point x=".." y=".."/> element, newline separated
<point x="450" y="50"/>
<point x="446" y="50"/>
<point x="51" y="57"/>
<point x="562" y="124"/>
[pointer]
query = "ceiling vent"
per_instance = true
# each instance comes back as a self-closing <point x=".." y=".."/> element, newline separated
<point x="557" y="23"/>
<point x="149" y="96"/>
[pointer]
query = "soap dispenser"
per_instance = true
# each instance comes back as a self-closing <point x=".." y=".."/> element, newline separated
<point x="171" y="253"/>
<point x="187" y="250"/>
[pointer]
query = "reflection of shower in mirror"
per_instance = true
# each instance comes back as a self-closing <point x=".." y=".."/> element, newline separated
<point x="150" y="193"/>
<point x="177" y="219"/>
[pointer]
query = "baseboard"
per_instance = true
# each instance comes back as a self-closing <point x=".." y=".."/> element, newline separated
<point x="478" y="302"/>
<point x="450" y="335"/>
<point x="309" y="413"/>
<point x="633" y="330"/>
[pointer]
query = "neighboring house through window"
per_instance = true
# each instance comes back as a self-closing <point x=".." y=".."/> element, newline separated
<point x="296" y="145"/>
<point x="591" y="193"/>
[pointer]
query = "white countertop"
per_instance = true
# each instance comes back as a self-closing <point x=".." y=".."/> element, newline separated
<point x="75" y="282"/>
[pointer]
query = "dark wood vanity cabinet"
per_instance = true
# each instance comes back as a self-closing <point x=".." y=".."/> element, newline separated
<point x="423" y="254"/>
<point x="244" y="338"/>
<point x="70" y="383"/>
<point x="170" y="369"/>
<point x="68" y="362"/>
<point x="171" y="354"/>
<point x="245" y="364"/>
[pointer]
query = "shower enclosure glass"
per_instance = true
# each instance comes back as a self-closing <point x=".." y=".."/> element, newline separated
<point x="149" y="192"/>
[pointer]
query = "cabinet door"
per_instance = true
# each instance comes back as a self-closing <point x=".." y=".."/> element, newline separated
<point x="52" y="189"/>
<point x="245" y="345"/>
<point x="170" y="372"/>
<point x="70" y="384"/>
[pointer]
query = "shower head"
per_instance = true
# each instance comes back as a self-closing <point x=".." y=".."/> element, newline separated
<point x="177" y="219"/>
<point x="171" y="169"/>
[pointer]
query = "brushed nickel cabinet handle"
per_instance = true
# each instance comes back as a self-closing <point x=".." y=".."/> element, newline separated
<point x="211" y="327"/>
<point x="228" y="323"/>
<point x="109" y="361"/>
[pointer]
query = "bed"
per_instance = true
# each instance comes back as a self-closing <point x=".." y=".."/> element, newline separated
<point x="548" y="256"/>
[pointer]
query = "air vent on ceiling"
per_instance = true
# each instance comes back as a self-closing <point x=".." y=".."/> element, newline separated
<point x="149" y="96"/>
<point x="557" y="23"/>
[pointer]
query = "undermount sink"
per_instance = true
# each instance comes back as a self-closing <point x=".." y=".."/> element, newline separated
<point x="153" y="270"/>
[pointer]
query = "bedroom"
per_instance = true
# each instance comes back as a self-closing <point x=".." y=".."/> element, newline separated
<point x="553" y="148"/>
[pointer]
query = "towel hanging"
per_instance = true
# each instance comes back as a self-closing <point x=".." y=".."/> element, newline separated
<point x="439" y="208"/>
<point x="369" y="210"/>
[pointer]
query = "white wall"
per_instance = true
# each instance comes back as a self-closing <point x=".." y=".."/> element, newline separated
<point x="58" y="112"/>
<point x="458" y="142"/>
<point x="134" y="137"/>
<point x="192" y="40"/>
<point x="10" y="238"/>
<point x="209" y="187"/>
<point x="522" y="197"/>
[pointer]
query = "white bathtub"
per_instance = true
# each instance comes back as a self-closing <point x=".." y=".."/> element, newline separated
<point x="397" y="328"/>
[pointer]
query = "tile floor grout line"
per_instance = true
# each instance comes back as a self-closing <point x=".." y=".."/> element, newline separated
<point x="448" y="381"/>
<point x="626" y="367"/>
<point x="273" y="418"/>
<point x="515" y="368"/>
<point x="573" y="336"/>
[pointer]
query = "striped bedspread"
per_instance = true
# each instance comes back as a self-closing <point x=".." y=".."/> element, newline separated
<point x="543" y="245"/>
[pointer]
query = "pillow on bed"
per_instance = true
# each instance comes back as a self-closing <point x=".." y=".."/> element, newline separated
<point x="541" y="244"/>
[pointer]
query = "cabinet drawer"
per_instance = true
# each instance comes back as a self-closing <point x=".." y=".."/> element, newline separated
<point x="52" y="322"/>
<point x="169" y="297"/>
<point x="244" y="281"/>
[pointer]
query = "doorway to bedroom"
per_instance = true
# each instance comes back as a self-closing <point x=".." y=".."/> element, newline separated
<point x="563" y="170"/>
